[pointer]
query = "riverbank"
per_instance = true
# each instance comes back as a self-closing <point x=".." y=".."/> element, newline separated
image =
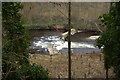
<point x="64" y="29"/>
<point x="89" y="65"/>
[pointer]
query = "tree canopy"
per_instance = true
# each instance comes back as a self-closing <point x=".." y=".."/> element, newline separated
<point x="110" y="40"/>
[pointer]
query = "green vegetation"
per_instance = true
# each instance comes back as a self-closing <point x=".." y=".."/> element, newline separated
<point x="55" y="22"/>
<point x="50" y="23"/>
<point x="15" y="55"/>
<point x="110" y="40"/>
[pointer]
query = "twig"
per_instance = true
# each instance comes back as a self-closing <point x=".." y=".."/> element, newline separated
<point x="98" y="28"/>
<point x="58" y="9"/>
<point x="12" y="40"/>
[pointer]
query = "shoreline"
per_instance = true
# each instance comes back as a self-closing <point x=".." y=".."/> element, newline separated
<point x="89" y="65"/>
<point x="64" y="30"/>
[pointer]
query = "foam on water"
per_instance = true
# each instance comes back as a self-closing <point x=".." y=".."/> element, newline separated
<point x="93" y="37"/>
<point x="58" y="43"/>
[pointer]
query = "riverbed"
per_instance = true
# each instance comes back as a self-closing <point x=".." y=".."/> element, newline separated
<point x="82" y="42"/>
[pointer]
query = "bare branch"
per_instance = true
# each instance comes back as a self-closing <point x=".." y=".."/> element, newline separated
<point x="56" y="4"/>
<point x="98" y="28"/>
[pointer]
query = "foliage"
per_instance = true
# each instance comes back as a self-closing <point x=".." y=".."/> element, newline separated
<point x="110" y="40"/>
<point x="15" y="64"/>
<point x="28" y="72"/>
<point x="34" y="72"/>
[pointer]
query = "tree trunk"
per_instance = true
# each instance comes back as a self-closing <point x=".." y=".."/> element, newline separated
<point x="69" y="41"/>
<point x="107" y="74"/>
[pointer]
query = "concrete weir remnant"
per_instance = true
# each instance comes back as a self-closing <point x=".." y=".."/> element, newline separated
<point x="73" y="31"/>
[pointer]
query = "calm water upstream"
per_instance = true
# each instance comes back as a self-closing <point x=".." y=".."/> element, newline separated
<point x="81" y="42"/>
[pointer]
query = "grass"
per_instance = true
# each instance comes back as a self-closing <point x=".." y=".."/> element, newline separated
<point x="45" y="24"/>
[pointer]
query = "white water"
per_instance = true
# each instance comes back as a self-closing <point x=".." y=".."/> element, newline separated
<point x="59" y="44"/>
<point x="93" y="37"/>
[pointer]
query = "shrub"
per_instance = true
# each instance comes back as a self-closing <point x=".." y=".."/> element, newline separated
<point x="15" y="63"/>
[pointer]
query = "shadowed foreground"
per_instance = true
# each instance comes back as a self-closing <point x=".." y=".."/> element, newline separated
<point x="89" y="65"/>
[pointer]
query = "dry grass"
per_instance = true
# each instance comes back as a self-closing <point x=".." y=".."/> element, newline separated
<point x="89" y="65"/>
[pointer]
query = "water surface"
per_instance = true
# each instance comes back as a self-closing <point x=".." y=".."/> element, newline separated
<point x="80" y="42"/>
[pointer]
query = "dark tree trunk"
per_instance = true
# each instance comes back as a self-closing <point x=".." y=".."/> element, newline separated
<point x="69" y="41"/>
<point x="107" y="74"/>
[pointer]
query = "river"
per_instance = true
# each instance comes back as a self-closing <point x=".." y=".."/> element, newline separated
<point x="82" y="42"/>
